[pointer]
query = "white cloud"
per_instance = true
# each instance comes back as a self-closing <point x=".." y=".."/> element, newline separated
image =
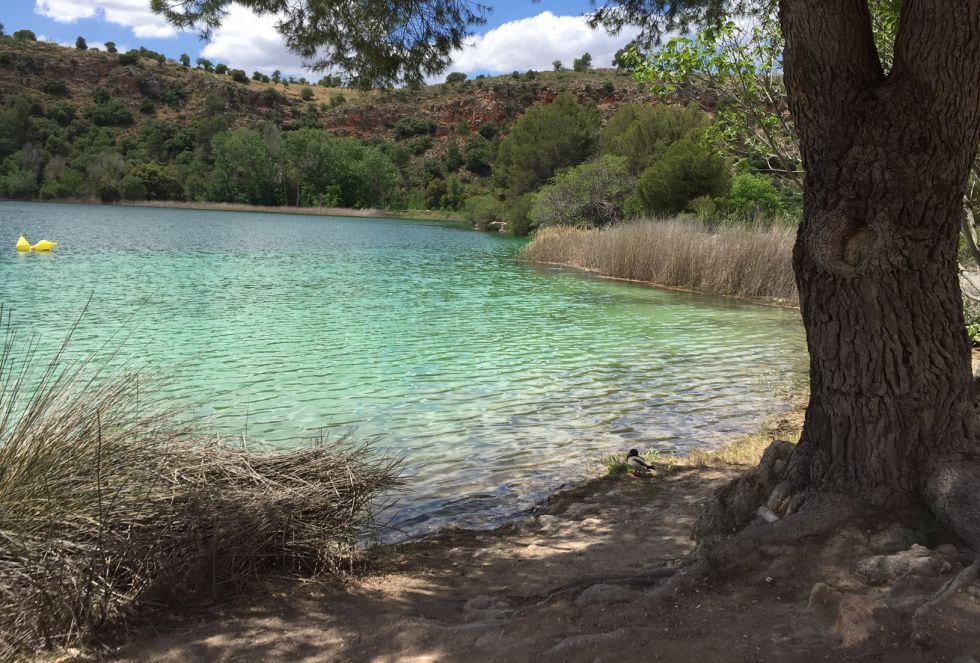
<point x="536" y="42"/>
<point x="133" y="14"/>
<point x="248" y="41"/>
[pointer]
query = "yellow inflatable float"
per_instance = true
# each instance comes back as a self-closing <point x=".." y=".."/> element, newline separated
<point x="43" y="245"/>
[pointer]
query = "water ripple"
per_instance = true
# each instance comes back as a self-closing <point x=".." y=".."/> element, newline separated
<point x="498" y="382"/>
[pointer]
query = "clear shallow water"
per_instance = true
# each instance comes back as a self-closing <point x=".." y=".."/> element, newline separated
<point x="496" y="381"/>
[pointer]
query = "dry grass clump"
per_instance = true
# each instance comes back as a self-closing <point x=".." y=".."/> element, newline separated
<point x="110" y="505"/>
<point x="742" y="261"/>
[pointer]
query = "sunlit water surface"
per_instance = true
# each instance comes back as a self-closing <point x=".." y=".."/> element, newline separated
<point x="497" y="381"/>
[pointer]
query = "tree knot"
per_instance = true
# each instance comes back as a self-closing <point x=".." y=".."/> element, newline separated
<point x="840" y="244"/>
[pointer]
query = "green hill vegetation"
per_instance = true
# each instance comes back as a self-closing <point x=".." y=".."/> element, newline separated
<point x="87" y="124"/>
<point x="515" y="152"/>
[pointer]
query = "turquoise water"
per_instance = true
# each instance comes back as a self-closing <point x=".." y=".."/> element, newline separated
<point x="496" y="381"/>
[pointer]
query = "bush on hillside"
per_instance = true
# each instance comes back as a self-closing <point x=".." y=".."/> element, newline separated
<point x="642" y="133"/>
<point x="55" y="87"/>
<point x="478" y="155"/>
<point x="687" y="170"/>
<point x="112" y="113"/>
<point x="545" y="139"/>
<point x="590" y="195"/>
<point x="407" y="127"/>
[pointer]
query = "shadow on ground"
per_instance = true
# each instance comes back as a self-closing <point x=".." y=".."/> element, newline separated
<point x="582" y="582"/>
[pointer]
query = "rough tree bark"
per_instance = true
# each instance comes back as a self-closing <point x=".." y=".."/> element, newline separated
<point x="891" y="412"/>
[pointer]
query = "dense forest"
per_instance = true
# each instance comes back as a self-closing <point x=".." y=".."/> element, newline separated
<point x="564" y="147"/>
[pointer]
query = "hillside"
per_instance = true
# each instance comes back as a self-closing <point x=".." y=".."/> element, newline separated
<point x="77" y="106"/>
<point x="25" y="65"/>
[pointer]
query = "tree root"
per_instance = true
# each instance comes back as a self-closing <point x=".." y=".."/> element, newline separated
<point x="951" y="490"/>
<point x="953" y="585"/>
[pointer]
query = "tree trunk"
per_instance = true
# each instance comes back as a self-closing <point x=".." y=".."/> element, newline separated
<point x="886" y="160"/>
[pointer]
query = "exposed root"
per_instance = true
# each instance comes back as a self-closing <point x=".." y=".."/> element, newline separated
<point x="955" y="584"/>
<point x="735" y="506"/>
<point x="950" y="490"/>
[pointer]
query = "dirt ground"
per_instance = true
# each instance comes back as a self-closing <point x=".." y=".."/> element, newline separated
<point x="588" y="579"/>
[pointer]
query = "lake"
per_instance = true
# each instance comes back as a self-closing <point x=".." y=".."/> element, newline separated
<point x="497" y="381"/>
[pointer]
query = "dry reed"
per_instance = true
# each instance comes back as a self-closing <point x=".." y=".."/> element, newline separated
<point x="111" y="505"/>
<point x="741" y="261"/>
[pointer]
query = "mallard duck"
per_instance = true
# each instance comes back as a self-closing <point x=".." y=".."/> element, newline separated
<point x="639" y="466"/>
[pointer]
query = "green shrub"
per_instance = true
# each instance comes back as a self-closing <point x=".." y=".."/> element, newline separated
<point x="544" y="140"/>
<point x="435" y="193"/>
<point x="306" y="94"/>
<point x="55" y="87"/>
<point x="61" y="112"/>
<point x="270" y="97"/>
<point x="337" y="99"/>
<point x="68" y="184"/>
<point x="485" y="212"/>
<point x="688" y="170"/>
<point x="704" y="208"/>
<point x="753" y="196"/>
<point x="456" y="77"/>
<point x="478" y="155"/>
<point x="159" y="182"/>
<point x="239" y="76"/>
<point x="131" y="188"/>
<point x="489" y="130"/>
<point x="25" y="35"/>
<point x="19" y="184"/>
<point x="590" y="195"/>
<point x="454" y="193"/>
<point x="107" y="190"/>
<point x="420" y="145"/>
<point x="642" y="133"/>
<point x="113" y="113"/>
<point x="519" y="220"/>
<point x="407" y="127"/>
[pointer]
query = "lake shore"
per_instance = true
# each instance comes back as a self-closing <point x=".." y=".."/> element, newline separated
<point x="367" y="212"/>
<point x="596" y="574"/>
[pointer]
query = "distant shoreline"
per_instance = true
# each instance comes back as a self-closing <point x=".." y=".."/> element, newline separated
<point x="419" y="215"/>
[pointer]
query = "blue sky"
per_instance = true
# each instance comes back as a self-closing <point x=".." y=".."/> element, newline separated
<point x="519" y="34"/>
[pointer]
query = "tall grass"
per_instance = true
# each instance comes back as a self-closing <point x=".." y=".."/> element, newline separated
<point x="742" y="261"/>
<point x="109" y="504"/>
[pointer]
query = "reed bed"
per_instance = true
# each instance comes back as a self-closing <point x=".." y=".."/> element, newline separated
<point x="112" y="506"/>
<point x="740" y="261"/>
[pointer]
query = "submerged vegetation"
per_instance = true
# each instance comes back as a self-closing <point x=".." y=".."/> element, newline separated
<point x="113" y="505"/>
